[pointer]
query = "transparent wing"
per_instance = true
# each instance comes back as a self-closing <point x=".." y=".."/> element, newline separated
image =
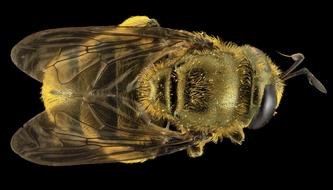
<point x="88" y="77"/>
<point x="65" y="143"/>
<point x="73" y="50"/>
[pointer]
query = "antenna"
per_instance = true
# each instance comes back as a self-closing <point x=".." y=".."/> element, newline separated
<point x="290" y="73"/>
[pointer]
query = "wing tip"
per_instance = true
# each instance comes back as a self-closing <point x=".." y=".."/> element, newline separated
<point x="20" y="140"/>
<point x="23" y="55"/>
<point x="13" y="54"/>
<point x="22" y="143"/>
<point x="16" y="50"/>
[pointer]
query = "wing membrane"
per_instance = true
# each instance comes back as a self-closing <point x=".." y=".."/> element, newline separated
<point x="65" y="143"/>
<point x="100" y="121"/>
<point x="85" y="46"/>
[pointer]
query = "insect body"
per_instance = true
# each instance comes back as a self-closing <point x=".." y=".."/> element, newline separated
<point x="136" y="91"/>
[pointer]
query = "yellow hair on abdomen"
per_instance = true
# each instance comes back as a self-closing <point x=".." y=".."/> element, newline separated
<point x="54" y="94"/>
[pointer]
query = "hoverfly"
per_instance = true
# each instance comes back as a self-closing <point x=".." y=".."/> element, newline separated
<point x="135" y="91"/>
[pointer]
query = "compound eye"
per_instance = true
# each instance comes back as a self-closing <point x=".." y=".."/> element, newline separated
<point x="266" y="110"/>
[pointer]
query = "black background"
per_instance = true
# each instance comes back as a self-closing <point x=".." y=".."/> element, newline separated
<point x="294" y="148"/>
